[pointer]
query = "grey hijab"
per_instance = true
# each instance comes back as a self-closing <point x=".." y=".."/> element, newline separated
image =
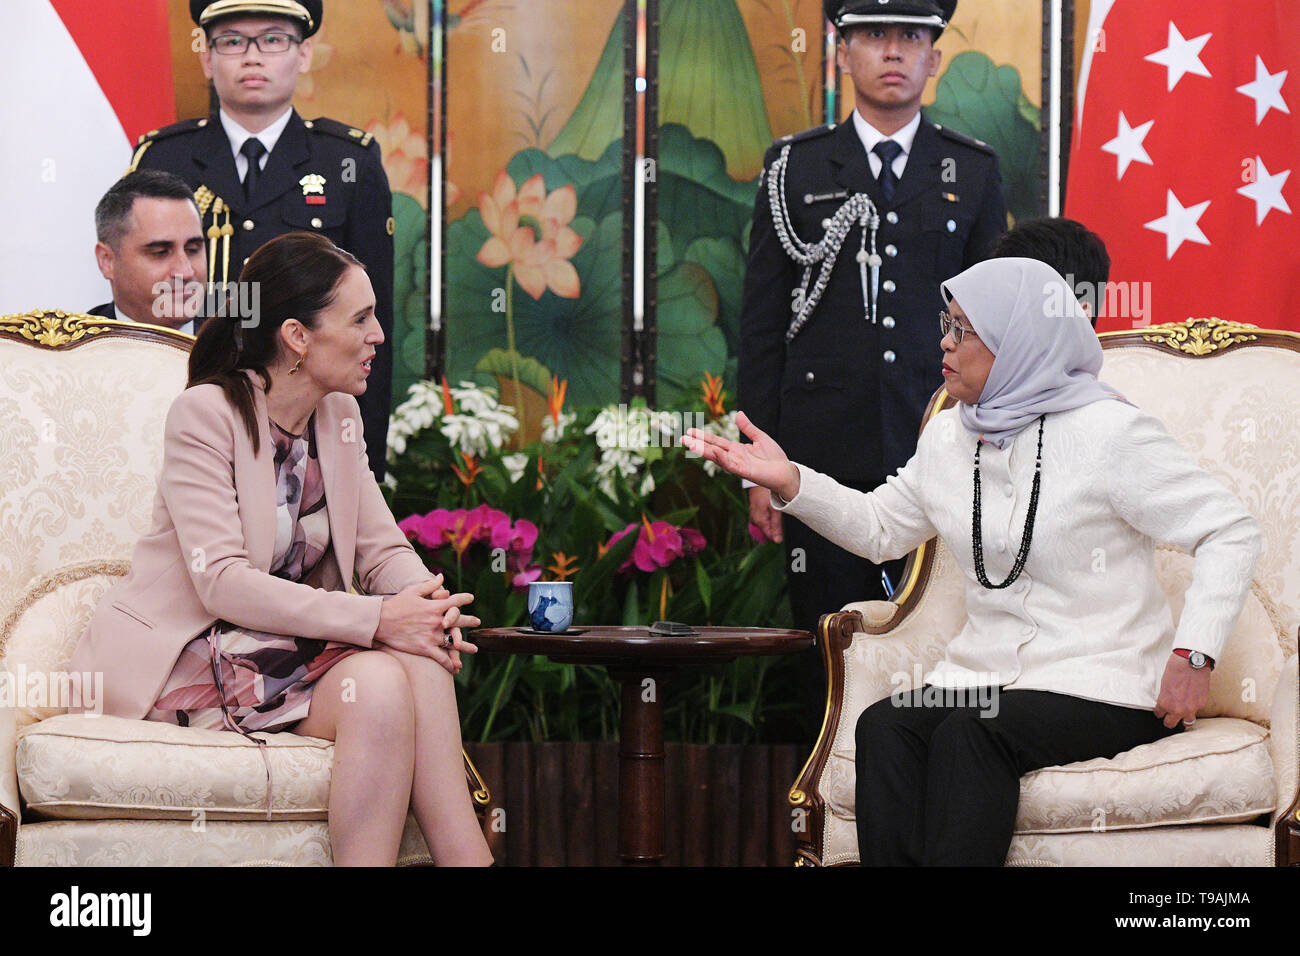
<point x="1046" y="354"/>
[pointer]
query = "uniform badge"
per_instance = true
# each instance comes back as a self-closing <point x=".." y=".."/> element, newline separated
<point x="313" y="189"/>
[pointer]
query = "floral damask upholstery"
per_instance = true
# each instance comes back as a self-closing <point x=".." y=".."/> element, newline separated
<point x="1213" y="795"/>
<point x="82" y="407"/>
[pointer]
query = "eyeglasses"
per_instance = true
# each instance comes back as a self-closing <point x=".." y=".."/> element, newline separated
<point x="233" y="44"/>
<point x="947" y="324"/>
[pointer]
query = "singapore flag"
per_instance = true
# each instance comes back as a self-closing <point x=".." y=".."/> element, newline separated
<point x="83" y="79"/>
<point x="1185" y="143"/>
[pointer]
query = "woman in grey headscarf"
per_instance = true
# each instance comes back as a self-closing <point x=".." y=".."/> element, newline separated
<point x="1065" y="655"/>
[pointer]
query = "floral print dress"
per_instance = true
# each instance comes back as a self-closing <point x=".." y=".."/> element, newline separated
<point x="245" y="680"/>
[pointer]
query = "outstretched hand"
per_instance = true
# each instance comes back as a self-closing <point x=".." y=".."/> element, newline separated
<point x="762" y="462"/>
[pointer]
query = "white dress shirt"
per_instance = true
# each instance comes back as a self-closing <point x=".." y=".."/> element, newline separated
<point x="187" y="328"/>
<point x="1087" y="616"/>
<point x="238" y="136"/>
<point x="870" y="136"/>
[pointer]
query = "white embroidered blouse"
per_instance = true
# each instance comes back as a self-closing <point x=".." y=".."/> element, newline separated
<point x="1087" y="616"/>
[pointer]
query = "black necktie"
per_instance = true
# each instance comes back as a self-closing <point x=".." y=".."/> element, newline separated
<point x="888" y="151"/>
<point x="253" y="151"/>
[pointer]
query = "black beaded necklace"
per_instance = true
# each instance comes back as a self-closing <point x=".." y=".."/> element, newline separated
<point x="977" y="532"/>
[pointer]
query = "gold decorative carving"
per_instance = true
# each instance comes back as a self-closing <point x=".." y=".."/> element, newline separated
<point x="1201" y="336"/>
<point x="54" y="329"/>
<point x="797" y="797"/>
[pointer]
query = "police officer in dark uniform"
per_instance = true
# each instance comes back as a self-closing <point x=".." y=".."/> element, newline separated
<point x="854" y="228"/>
<point x="258" y="170"/>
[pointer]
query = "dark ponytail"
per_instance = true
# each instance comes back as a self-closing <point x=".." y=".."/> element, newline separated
<point x="294" y="276"/>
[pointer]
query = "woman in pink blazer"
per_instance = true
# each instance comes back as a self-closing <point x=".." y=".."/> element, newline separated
<point x="238" y="613"/>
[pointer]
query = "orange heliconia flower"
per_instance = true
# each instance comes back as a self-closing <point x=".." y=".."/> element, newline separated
<point x="463" y="533"/>
<point x="713" y="395"/>
<point x="447" y="407"/>
<point x="514" y="219"/>
<point x="472" y="469"/>
<point x="561" y="567"/>
<point x="555" y="397"/>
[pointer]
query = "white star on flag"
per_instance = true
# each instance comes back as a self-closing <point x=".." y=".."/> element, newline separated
<point x="1266" y="91"/>
<point x="1179" y="223"/>
<point x="1127" y="145"/>
<point x="1266" y="191"/>
<point x="1181" y="56"/>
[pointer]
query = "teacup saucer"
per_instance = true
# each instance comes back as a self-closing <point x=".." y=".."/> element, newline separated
<point x="564" y="633"/>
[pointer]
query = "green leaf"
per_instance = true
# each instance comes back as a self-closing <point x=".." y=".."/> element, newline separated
<point x="743" y="711"/>
<point x="986" y="101"/>
<point x="696" y="196"/>
<point x="531" y="372"/>
<point x="410" y="285"/>
<point x="722" y="259"/>
<point x="689" y="341"/>
<point x="705" y="586"/>
<point x="595" y="579"/>
<point x="708" y="82"/>
<point x="632" y="604"/>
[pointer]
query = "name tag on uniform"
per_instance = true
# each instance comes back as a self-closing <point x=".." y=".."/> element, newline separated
<point x="810" y="198"/>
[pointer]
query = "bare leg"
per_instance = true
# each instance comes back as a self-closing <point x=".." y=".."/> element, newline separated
<point x="439" y="797"/>
<point x="363" y="703"/>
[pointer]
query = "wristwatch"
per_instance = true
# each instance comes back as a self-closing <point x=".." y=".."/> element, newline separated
<point x="1195" y="658"/>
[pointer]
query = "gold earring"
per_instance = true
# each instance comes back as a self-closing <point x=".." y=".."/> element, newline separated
<point x="294" y="370"/>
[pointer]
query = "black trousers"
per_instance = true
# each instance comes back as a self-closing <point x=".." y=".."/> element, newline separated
<point x="822" y="578"/>
<point x="938" y="784"/>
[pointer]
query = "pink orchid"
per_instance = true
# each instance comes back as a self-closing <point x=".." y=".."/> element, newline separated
<point x="658" y="544"/>
<point x="526" y="577"/>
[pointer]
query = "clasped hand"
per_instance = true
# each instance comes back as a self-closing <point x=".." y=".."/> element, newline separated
<point x="418" y="620"/>
<point x="762" y="461"/>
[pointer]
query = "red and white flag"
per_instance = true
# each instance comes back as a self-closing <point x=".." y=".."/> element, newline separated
<point x="82" y="80"/>
<point x="1186" y="138"/>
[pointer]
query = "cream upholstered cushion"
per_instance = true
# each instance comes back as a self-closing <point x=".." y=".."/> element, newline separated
<point x="40" y="633"/>
<point x="1210" y="845"/>
<point x="1218" y="770"/>
<point x="84" y="767"/>
<point x="177" y="843"/>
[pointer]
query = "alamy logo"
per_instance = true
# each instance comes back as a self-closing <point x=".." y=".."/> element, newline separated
<point x="74" y="908"/>
<point x="83" y="690"/>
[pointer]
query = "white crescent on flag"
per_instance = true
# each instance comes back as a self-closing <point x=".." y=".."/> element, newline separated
<point x="1186" y="135"/>
<point x="83" y="79"/>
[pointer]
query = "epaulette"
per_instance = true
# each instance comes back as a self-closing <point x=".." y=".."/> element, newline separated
<point x="156" y="135"/>
<point x="962" y="138"/>
<point x="323" y="124"/>
<point x="806" y="134"/>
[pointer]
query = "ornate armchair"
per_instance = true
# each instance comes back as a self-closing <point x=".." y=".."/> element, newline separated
<point x="82" y="406"/>
<point x="1224" y="792"/>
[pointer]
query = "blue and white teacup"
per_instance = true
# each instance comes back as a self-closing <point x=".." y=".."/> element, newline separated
<point x="550" y="606"/>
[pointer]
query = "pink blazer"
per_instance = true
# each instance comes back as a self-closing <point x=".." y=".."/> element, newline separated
<point x="209" y="551"/>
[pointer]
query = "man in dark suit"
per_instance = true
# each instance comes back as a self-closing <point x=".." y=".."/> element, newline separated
<point x="150" y="248"/>
<point x="258" y="170"/>
<point x="854" y="228"/>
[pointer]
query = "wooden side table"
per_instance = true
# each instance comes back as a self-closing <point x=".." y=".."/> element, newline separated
<point x="633" y="656"/>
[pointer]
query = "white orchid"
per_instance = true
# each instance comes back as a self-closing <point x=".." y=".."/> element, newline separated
<point x="481" y="423"/>
<point x="515" y="465"/>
